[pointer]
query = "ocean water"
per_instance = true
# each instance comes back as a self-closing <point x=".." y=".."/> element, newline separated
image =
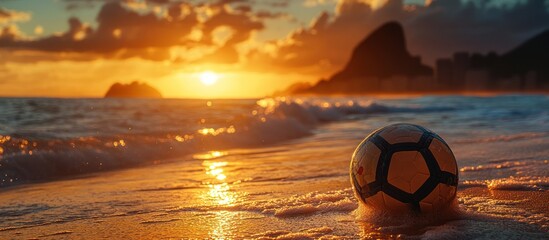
<point x="263" y="168"/>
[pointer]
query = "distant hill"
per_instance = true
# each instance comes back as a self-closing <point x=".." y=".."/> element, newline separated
<point x="382" y="54"/>
<point x="132" y="90"/>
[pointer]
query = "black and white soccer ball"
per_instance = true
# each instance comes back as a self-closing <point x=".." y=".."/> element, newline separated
<point x="404" y="167"/>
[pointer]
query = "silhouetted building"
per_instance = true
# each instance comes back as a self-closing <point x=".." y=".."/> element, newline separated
<point x="476" y="80"/>
<point x="531" y="81"/>
<point x="461" y="65"/>
<point x="510" y="83"/>
<point x="444" y="71"/>
<point x="525" y="68"/>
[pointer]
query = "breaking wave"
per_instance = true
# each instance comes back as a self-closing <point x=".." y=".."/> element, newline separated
<point x="25" y="157"/>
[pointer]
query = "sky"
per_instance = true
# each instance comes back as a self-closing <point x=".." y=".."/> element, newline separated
<point x="78" y="48"/>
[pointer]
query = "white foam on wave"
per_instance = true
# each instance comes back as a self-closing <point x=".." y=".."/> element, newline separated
<point x="311" y="233"/>
<point x="294" y="206"/>
<point x="469" y="217"/>
<point x="380" y="224"/>
<point x="508" y="174"/>
<point x="502" y="214"/>
<point x="531" y="183"/>
<point x="492" y="166"/>
<point x="298" y="205"/>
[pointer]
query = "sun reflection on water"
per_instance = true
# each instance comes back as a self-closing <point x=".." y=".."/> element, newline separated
<point x="214" y="132"/>
<point x="210" y="155"/>
<point x="224" y="229"/>
<point x="219" y="192"/>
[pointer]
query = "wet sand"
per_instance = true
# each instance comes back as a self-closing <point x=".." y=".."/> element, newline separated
<point x="140" y="205"/>
<point x="534" y="201"/>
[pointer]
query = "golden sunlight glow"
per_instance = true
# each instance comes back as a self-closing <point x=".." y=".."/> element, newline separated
<point x="219" y="191"/>
<point x="210" y="155"/>
<point x="209" y="78"/>
<point x="214" y="132"/>
<point x="187" y="83"/>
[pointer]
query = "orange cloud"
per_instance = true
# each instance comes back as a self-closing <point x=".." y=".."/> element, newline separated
<point x="7" y="16"/>
<point x="123" y="32"/>
<point x="141" y="29"/>
<point x="9" y="34"/>
<point x="242" y="25"/>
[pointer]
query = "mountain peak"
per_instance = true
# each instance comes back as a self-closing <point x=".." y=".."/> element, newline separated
<point x="384" y="54"/>
<point x="381" y="55"/>
<point x="389" y="36"/>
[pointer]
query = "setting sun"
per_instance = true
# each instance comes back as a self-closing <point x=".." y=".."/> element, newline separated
<point x="209" y="78"/>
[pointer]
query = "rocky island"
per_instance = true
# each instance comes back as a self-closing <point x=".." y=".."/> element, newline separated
<point x="132" y="90"/>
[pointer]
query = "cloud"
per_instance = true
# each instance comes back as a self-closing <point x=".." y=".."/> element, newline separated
<point x="125" y="31"/>
<point x="38" y="30"/>
<point x="119" y="29"/>
<point x="10" y="33"/>
<point x="242" y="24"/>
<point x="274" y="15"/>
<point x="9" y="16"/>
<point x="434" y="30"/>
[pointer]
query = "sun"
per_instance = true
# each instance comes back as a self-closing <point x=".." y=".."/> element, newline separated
<point x="209" y="78"/>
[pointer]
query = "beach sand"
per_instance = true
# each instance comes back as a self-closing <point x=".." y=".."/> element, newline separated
<point x="137" y="203"/>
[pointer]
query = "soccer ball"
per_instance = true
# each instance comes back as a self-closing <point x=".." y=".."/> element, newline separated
<point x="403" y="168"/>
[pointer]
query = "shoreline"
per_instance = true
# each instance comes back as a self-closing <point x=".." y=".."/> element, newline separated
<point x="364" y="94"/>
